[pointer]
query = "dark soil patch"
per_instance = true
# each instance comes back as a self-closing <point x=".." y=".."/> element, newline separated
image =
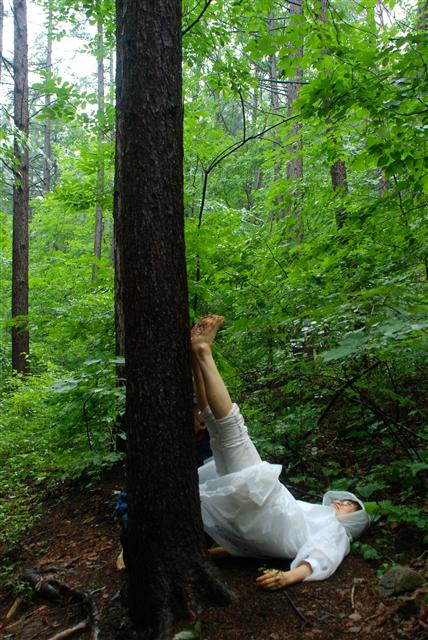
<point x="76" y="542"/>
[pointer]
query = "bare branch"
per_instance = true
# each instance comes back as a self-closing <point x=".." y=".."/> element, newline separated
<point x="196" y="20"/>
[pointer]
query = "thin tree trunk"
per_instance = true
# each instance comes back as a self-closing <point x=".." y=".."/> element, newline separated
<point x="274" y="96"/>
<point x="169" y="574"/>
<point x="98" y="232"/>
<point x="423" y="15"/>
<point x="258" y="178"/>
<point x="380" y="21"/>
<point x="340" y="186"/>
<point x="273" y="71"/>
<point x="338" y="168"/>
<point x="295" y="165"/>
<point x="20" y="334"/>
<point x="47" y="146"/>
<point x="111" y="69"/>
<point x="383" y="184"/>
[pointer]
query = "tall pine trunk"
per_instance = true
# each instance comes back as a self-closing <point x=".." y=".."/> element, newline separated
<point x="169" y="575"/>
<point x="20" y="334"/>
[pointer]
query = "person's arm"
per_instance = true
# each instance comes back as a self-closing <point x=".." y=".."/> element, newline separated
<point x="272" y="579"/>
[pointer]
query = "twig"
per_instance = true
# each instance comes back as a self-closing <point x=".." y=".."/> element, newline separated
<point x="297" y="611"/>
<point x="388" y="421"/>
<point x="13" y="608"/>
<point x="216" y="160"/>
<point x="196" y="20"/>
<point x="70" y="631"/>
<point x="276" y="260"/>
<point x="343" y="388"/>
<point x="353" y="597"/>
<point x="54" y="590"/>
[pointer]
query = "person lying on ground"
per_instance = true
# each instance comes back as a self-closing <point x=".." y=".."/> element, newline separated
<point x="245" y="508"/>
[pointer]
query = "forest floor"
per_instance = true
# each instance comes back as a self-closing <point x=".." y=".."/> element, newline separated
<point x="76" y="542"/>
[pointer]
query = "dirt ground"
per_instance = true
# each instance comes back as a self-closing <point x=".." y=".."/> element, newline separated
<point x="76" y="542"/>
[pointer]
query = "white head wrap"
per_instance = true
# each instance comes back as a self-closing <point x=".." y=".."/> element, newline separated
<point x="357" y="521"/>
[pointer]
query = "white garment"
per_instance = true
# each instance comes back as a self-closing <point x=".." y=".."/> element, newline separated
<point x="250" y="512"/>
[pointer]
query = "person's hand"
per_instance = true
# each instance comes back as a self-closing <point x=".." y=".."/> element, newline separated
<point x="272" y="579"/>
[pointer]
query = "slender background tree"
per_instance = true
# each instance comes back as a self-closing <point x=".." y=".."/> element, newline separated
<point x="20" y="333"/>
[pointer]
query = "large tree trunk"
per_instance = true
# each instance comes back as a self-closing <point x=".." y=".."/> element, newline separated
<point x="47" y="145"/>
<point x="117" y="241"/>
<point x="98" y="231"/>
<point x="169" y="575"/>
<point x="20" y="335"/>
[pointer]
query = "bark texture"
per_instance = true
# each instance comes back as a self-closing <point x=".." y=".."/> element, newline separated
<point x="169" y="576"/>
<point x="20" y="335"/>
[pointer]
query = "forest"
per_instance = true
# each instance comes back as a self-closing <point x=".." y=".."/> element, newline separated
<point x="304" y="192"/>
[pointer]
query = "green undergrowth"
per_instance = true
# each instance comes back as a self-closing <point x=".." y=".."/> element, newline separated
<point x="53" y="428"/>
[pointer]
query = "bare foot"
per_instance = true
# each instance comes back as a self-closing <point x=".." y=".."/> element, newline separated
<point x="205" y="330"/>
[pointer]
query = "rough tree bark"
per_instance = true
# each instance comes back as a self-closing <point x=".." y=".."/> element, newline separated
<point x="119" y="322"/>
<point x="20" y="334"/>
<point x="98" y="231"/>
<point x="169" y="577"/>
<point x="47" y="143"/>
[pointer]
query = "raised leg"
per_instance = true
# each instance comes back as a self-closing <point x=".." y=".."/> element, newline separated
<point x="231" y="445"/>
<point x="211" y="389"/>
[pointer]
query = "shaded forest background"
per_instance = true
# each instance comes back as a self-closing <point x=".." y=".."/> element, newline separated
<point x="305" y="206"/>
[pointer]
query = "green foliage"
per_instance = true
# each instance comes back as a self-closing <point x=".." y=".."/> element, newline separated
<point x="367" y="551"/>
<point x="53" y="430"/>
<point x="413" y="516"/>
<point x="326" y="335"/>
